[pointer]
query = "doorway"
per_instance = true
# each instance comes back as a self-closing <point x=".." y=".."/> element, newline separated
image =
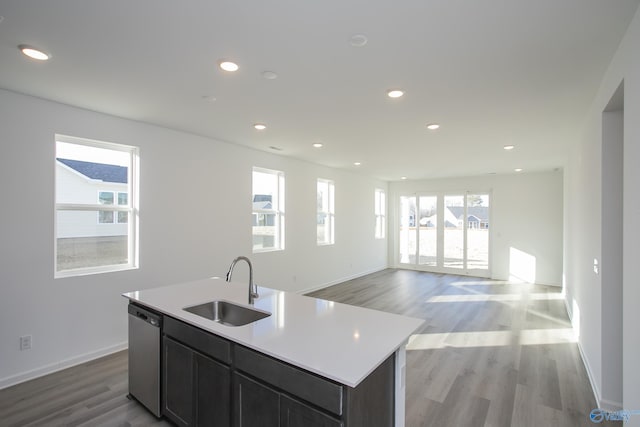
<point x="445" y="232"/>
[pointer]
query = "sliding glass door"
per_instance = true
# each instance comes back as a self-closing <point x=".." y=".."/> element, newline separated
<point x="445" y="232"/>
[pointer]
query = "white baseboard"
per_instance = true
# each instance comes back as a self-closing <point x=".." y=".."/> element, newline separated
<point x="58" y="366"/>
<point x="602" y="403"/>
<point x="343" y="279"/>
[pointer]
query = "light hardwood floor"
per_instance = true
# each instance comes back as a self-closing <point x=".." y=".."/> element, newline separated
<point x="490" y="354"/>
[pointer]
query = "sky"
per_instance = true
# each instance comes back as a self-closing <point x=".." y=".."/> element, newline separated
<point x="85" y="153"/>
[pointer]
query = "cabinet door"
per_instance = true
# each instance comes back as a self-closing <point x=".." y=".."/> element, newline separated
<point x="297" y="414"/>
<point x="178" y="382"/>
<point x="213" y="393"/>
<point x="254" y="404"/>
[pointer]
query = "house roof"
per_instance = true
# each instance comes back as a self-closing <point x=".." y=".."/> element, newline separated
<point x="99" y="171"/>
<point x="480" y="212"/>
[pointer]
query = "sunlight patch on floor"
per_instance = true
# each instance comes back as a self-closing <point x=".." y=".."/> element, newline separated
<point x="494" y="297"/>
<point x="490" y="338"/>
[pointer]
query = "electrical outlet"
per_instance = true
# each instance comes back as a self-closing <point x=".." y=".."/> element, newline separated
<point x="25" y="342"/>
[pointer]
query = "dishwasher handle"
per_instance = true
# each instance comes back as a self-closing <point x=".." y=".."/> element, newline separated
<point x="145" y="315"/>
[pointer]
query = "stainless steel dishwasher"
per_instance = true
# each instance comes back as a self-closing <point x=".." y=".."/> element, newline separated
<point x="144" y="357"/>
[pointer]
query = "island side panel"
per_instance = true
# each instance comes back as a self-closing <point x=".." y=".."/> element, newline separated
<point x="372" y="402"/>
<point x="400" y="384"/>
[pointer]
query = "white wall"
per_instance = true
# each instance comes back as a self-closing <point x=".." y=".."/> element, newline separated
<point x="526" y="214"/>
<point x="195" y="210"/>
<point x="583" y="225"/>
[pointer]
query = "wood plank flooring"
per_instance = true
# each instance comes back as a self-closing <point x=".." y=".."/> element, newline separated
<point x="490" y="354"/>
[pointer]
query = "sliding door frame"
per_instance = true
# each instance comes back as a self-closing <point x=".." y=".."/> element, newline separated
<point x="439" y="267"/>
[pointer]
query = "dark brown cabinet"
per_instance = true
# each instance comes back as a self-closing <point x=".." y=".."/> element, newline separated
<point x="178" y="383"/>
<point x="297" y="414"/>
<point x="255" y="404"/>
<point x="258" y="404"/>
<point x="196" y="388"/>
<point x="210" y="381"/>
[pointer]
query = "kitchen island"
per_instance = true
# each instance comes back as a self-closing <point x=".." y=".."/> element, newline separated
<point x="310" y="362"/>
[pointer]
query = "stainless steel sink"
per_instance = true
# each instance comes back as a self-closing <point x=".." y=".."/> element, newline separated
<point x="227" y="313"/>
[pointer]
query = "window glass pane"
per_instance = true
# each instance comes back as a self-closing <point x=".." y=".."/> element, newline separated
<point x="123" y="217"/>
<point x="105" y="217"/>
<point x="268" y="206"/>
<point x="428" y="230"/>
<point x="478" y="231"/>
<point x="105" y="198"/>
<point x="380" y="209"/>
<point x="407" y="230"/>
<point x="123" y="198"/>
<point x="454" y="231"/>
<point x="83" y="243"/>
<point x="325" y="216"/>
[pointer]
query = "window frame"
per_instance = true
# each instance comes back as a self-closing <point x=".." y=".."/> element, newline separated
<point x="380" y="209"/>
<point x="278" y="204"/>
<point x="329" y="213"/>
<point x="132" y="207"/>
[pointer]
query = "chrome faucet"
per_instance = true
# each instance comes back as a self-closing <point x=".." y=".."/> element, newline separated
<point x="253" y="289"/>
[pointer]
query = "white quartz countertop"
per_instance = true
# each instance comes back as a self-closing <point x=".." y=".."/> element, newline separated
<point x="337" y="341"/>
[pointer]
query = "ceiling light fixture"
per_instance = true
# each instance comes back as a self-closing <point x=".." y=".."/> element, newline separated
<point x="518" y="169"/>
<point x="509" y="147"/>
<point x="433" y="126"/>
<point x="395" y="93"/>
<point x="356" y="163"/>
<point x="260" y="126"/>
<point x="317" y="145"/>
<point x="33" y="53"/>
<point x="229" y="66"/>
<point x="403" y="177"/>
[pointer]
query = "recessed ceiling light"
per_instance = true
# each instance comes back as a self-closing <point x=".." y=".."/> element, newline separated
<point x="229" y="66"/>
<point x="433" y="126"/>
<point x="509" y="147"/>
<point x="403" y="177"/>
<point x="518" y="169"/>
<point x="395" y="93"/>
<point x="33" y="53"/>
<point x="260" y="126"/>
<point x="358" y="40"/>
<point x="356" y="163"/>
<point x="317" y="145"/>
<point x="269" y="75"/>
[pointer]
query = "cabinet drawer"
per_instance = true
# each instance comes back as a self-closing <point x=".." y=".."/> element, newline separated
<point x="208" y="344"/>
<point x="319" y="391"/>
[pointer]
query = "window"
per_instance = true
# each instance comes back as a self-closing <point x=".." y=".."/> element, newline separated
<point x="380" y="208"/>
<point x="268" y="210"/>
<point x="107" y="217"/>
<point x="326" y="212"/>
<point x="96" y="196"/>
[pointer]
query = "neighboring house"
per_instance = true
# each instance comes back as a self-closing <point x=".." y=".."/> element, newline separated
<point x="477" y="216"/>
<point x="262" y="202"/>
<point x="79" y="182"/>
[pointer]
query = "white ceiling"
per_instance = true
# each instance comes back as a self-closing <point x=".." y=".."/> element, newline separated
<point x="491" y="72"/>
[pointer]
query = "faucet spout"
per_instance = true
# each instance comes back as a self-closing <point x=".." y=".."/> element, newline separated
<point x="253" y="289"/>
